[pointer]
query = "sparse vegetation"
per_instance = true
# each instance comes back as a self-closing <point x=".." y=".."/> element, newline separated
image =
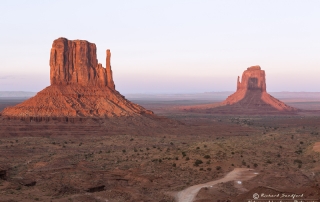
<point x="197" y="162"/>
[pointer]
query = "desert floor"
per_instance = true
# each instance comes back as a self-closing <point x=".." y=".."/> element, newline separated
<point x="155" y="158"/>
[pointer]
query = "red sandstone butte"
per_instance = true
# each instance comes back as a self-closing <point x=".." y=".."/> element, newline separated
<point x="251" y="92"/>
<point x="80" y="87"/>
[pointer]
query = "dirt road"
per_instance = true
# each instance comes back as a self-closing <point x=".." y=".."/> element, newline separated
<point x="239" y="174"/>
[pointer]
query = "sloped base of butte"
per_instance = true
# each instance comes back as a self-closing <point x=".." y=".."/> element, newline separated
<point x="76" y="101"/>
<point x="250" y="102"/>
<point x="254" y="101"/>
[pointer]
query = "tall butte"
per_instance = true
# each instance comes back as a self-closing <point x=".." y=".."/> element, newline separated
<point x="80" y="87"/>
<point x="251" y="94"/>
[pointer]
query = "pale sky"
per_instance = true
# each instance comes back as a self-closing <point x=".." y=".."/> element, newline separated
<point x="167" y="46"/>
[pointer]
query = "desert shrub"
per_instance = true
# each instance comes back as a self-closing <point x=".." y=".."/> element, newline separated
<point x="298" y="151"/>
<point x="201" y="169"/>
<point x="135" y="150"/>
<point x="218" y="168"/>
<point x="187" y="159"/>
<point x="255" y="165"/>
<point x="232" y="164"/>
<point x="301" y="142"/>
<point x="232" y="152"/>
<point x="197" y="162"/>
<point x="184" y="154"/>
<point x="269" y="161"/>
<point x="205" y="146"/>
<point x="243" y="163"/>
<point x="124" y="151"/>
<point x="198" y="148"/>
<point x="279" y="155"/>
<point x="177" y="158"/>
<point x="206" y="156"/>
<point x="208" y="162"/>
<point x="174" y="165"/>
<point x="297" y="161"/>
<point x="160" y="160"/>
<point x="131" y="139"/>
<point x="209" y="169"/>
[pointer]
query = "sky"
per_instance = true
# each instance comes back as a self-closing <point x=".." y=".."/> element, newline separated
<point x="166" y="46"/>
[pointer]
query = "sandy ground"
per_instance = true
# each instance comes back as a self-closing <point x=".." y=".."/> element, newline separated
<point x="239" y="174"/>
<point x="316" y="147"/>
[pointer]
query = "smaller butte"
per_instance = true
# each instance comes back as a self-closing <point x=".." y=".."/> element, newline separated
<point x="252" y="92"/>
<point x="251" y="97"/>
<point x="80" y="87"/>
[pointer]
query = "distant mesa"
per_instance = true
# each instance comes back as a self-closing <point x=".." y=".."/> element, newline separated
<point x="251" y="97"/>
<point x="252" y="92"/>
<point x="80" y="87"/>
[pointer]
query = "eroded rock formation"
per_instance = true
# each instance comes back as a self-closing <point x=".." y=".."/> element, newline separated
<point x="75" y="62"/>
<point x="251" y="92"/>
<point x="251" y="98"/>
<point x="253" y="79"/>
<point x="80" y="87"/>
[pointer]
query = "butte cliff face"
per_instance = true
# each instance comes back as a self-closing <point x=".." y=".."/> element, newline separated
<point x="251" y="93"/>
<point x="80" y="87"/>
<point x="75" y="62"/>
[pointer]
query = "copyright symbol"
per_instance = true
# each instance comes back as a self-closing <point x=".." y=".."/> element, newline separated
<point x="255" y="196"/>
